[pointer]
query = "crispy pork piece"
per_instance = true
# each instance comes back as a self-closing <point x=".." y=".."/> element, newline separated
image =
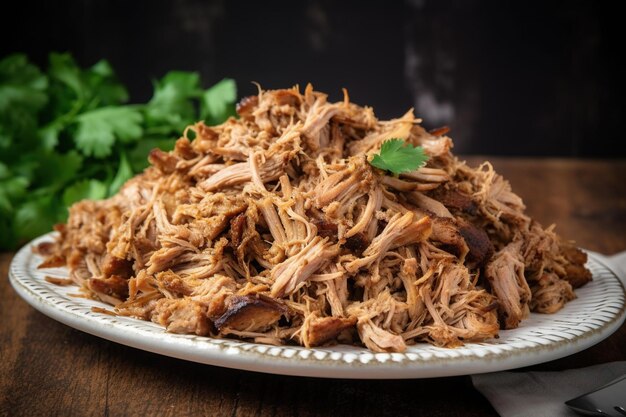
<point x="252" y="313"/>
<point x="164" y="161"/>
<point x="246" y="106"/>
<point x="112" y="265"/>
<point x="446" y="231"/>
<point x="319" y="330"/>
<point x="575" y="259"/>
<point x="326" y="229"/>
<point x="480" y="247"/>
<point x="455" y="200"/>
<point x="182" y="315"/>
<point x="113" y="289"/>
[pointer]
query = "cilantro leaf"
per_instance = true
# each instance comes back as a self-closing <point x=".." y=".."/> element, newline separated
<point x="124" y="173"/>
<point x="397" y="157"/>
<point x="4" y="171"/>
<point x="64" y="69"/>
<point x="49" y="136"/>
<point x="138" y="156"/>
<point x="98" y="129"/>
<point x="34" y="217"/>
<point x="104" y="84"/>
<point x="21" y="84"/>
<point x="18" y="127"/>
<point x="218" y="102"/>
<point x="56" y="169"/>
<point x="171" y="105"/>
<point x="98" y="82"/>
<point x="22" y="96"/>
<point x="12" y="190"/>
<point x="74" y="90"/>
<point x="65" y="136"/>
<point x="85" y="189"/>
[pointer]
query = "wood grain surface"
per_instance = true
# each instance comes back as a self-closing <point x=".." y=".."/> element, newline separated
<point x="49" y="369"/>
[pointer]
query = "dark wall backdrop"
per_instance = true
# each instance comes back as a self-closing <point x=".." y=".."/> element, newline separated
<point x="509" y="78"/>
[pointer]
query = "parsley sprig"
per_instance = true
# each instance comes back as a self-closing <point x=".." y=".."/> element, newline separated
<point x="67" y="133"/>
<point x="397" y="157"/>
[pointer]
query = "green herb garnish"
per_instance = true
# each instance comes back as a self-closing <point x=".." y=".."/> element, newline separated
<point x="67" y="134"/>
<point x="397" y="157"/>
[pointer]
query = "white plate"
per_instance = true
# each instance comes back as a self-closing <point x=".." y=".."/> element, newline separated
<point x="596" y="313"/>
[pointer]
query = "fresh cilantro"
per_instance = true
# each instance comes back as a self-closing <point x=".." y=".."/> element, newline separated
<point x="124" y="173"/>
<point x="22" y="97"/>
<point x="54" y="169"/>
<point x="106" y="89"/>
<point x="218" y="102"/>
<point x="171" y="106"/>
<point x="64" y="69"/>
<point x="85" y="189"/>
<point x="12" y="189"/>
<point x="138" y="156"/>
<point x="4" y="171"/>
<point x="21" y="84"/>
<point x="98" y="129"/>
<point x="397" y="157"/>
<point x="49" y="136"/>
<point x="34" y="217"/>
<point x="67" y="133"/>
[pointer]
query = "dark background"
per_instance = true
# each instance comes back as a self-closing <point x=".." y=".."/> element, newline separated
<point x="509" y="78"/>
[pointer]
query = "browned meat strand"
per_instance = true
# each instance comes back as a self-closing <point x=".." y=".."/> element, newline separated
<point x="505" y="273"/>
<point x="274" y="227"/>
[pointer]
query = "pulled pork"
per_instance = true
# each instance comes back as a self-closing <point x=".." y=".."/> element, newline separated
<point x="274" y="227"/>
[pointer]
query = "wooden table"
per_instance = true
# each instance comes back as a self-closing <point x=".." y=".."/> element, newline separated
<point x="47" y="368"/>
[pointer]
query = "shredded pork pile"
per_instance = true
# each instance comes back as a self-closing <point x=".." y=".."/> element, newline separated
<point x="274" y="227"/>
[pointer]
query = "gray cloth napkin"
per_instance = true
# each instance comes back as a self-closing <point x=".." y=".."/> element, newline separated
<point x="617" y="262"/>
<point x="538" y="394"/>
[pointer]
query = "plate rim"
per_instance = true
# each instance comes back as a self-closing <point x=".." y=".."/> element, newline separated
<point x="322" y="362"/>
